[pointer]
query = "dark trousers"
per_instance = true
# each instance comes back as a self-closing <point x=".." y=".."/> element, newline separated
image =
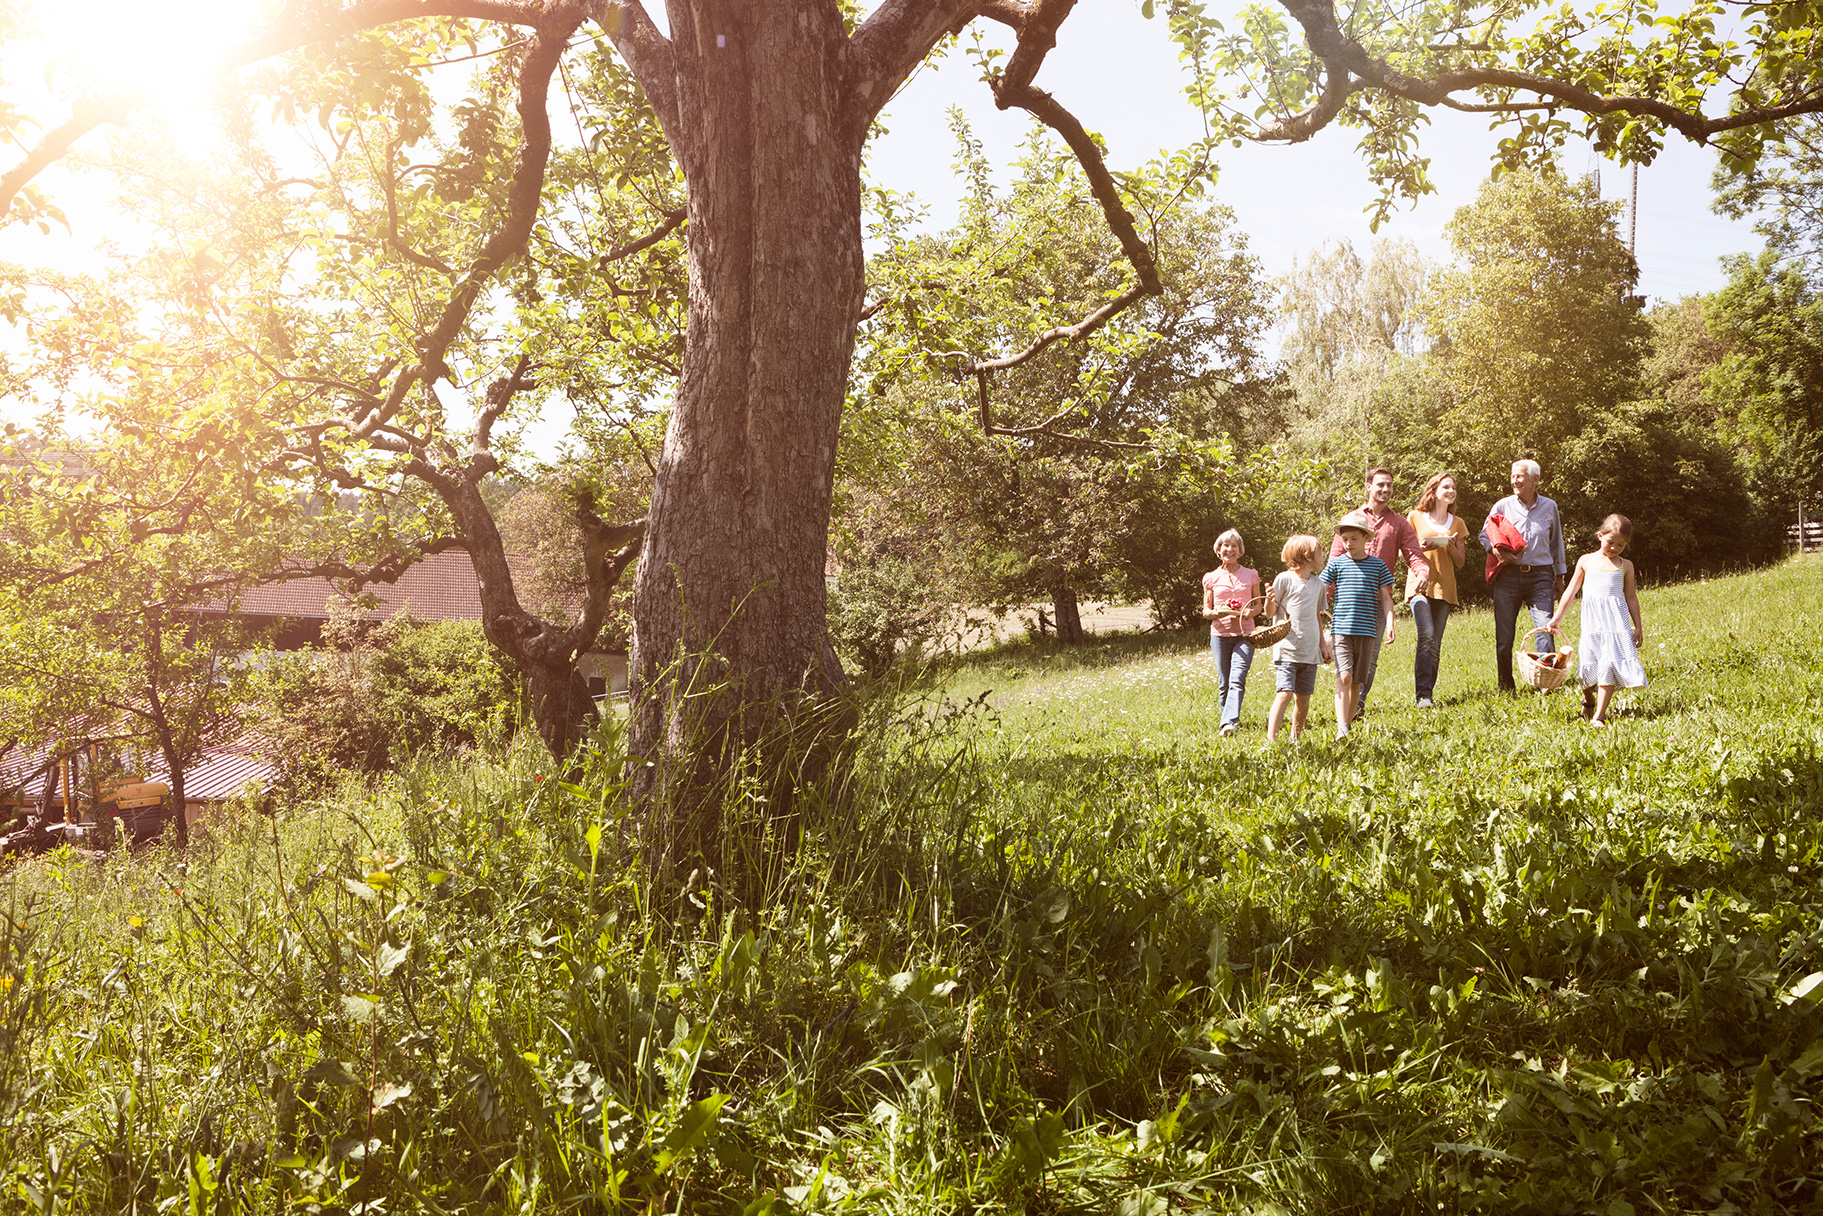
<point x="1429" y="617"/>
<point x="1514" y="587"/>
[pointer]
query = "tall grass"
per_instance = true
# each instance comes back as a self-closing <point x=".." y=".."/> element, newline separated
<point x="1048" y="943"/>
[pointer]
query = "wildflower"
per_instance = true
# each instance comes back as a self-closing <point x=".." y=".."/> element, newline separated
<point x="6" y="983"/>
<point x="538" y="778"/>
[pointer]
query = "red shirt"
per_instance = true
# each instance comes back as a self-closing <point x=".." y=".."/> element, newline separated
<point x="1393" y="535"/>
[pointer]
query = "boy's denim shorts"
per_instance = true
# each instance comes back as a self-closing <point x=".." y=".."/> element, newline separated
<point x="1299" y="678"/>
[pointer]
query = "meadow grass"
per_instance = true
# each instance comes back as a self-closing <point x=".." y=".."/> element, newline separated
<point x="1047" y="943"/>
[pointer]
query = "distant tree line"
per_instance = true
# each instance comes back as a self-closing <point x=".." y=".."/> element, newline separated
<point x="1105" y="469"/>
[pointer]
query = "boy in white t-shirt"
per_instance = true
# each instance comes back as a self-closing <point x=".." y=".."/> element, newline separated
<point x="1297" y="594"/>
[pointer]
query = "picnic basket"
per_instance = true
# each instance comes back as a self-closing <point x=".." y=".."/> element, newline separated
<point x="1544" y="671"/>
<point x="1267" y="635"/>
<point x="1271" y="635"/>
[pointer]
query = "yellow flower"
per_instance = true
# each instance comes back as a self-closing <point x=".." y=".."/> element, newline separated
<point x="135" y="922"/>
<point x="6" y="982"/>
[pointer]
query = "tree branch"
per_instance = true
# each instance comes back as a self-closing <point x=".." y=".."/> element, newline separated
<point x="648" y="56"/>
<point x="523" y="197"/>
<point x="1342" y="55"/>
<point x="284" y="37"/>
<point x="1043" y="429"/>
<point x="392" y="220"/>
<point x="1338" y="87"/>
<point x="604" y="567"/>
<point x="896" y="37"/>
<point x="1038" y="21"/>
<point x="1101" y="182"/>
<point x="86" y="117"/>
<point x="673" y="218"/>
<point x="386" y="570"/>
<point x="500" y="394"/>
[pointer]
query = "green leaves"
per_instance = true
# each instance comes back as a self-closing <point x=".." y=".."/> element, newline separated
<point x="691" y="1129"/>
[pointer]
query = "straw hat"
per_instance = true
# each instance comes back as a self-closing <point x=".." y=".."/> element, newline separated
<point x="1357" y="520"/>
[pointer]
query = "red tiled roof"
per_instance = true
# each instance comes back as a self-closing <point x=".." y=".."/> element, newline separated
<point x="442" y="587"/>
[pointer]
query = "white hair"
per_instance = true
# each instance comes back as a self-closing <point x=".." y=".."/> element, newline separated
<point x="1231" y="535"/>
<point x="1528" y="467"/>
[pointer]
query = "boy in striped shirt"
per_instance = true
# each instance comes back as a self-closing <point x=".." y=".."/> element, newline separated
<point x="1363" y="590"/>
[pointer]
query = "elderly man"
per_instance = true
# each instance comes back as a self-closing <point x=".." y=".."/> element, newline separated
<point x="1391" y="535"/>
<point x="1532" y="576"/>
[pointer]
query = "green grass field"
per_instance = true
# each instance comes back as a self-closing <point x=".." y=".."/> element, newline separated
<point x="1049" y="944"/>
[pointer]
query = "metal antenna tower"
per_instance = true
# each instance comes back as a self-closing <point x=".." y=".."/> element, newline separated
<point x="1633" y="212"/>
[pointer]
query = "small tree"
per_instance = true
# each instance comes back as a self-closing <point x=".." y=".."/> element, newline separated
<point x="1033" y="462"/>
<point x="1542" y="337"/>
<point x="1766" y="390"/>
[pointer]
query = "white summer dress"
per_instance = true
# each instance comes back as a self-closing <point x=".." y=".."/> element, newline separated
<point x="1608" y="653"/>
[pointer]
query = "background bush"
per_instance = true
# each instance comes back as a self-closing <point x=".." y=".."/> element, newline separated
<point x="374" y="696"/>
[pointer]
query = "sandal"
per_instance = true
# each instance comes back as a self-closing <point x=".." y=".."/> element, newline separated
<point x="1588" y="702"/>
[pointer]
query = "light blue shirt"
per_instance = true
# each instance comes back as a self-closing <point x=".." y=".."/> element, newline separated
<point x="1541" y="526"/>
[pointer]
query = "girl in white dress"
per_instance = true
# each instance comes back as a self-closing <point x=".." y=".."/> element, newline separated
<point x="1613" y="628"/>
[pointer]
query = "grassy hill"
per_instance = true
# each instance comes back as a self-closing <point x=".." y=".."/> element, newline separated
<point x="1048" y="944"/>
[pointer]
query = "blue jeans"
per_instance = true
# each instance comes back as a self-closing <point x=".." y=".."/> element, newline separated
<point x="1429" y="617"/>
<point x="1233" y="657"/>
<point x="1535" y="590"/>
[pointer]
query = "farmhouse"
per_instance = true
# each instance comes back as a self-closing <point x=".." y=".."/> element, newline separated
<point x="48" y="794"/>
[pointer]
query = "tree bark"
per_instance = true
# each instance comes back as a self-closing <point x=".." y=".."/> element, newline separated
<point x="1068" y="615"/>
<point x="545" y="652"/>
<point x="729" y="599"/>
<point x="168" y="743"/>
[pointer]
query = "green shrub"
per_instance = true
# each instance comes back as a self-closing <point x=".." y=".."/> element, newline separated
<point x="373" y="697"/>
<point x="882" y="609"/>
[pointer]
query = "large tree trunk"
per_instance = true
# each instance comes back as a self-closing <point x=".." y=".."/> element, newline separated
<point x="739" y="522"/>
<point x="1067" y="614"/>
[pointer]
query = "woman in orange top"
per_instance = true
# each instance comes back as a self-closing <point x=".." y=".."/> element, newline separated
<point x="1444" y="538"/>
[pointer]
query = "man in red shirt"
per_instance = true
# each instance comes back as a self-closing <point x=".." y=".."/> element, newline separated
<point x="1392" y="535"/>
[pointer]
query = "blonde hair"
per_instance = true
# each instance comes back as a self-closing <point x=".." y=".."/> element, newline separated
<point x="1230" y="535"/>
<point x="1300" y="550"/>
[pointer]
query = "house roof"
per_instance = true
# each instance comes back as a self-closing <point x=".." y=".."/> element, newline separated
<point x="442" y="587"/>
<point x="226" y="770"/>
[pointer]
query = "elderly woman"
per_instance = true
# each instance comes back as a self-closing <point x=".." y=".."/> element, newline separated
<point x="1444" y="538"/>
<point x="1230" y="603"/>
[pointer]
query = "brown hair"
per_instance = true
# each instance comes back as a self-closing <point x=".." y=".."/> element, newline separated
<point x="1300" y="550"/>
<point x="1373" y="473"/>
<point x="1428" y="498"/>
<point x="1618" y="523"/>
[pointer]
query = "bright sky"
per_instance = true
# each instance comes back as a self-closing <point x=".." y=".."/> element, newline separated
<point x="1119" y="74"/>
<point x="1115" y="70"/>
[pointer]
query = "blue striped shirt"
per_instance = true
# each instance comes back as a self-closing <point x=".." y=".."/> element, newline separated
<point x="1357" y="585"/>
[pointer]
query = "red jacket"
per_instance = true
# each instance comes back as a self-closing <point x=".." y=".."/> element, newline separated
<point x="1505" y="534"/>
